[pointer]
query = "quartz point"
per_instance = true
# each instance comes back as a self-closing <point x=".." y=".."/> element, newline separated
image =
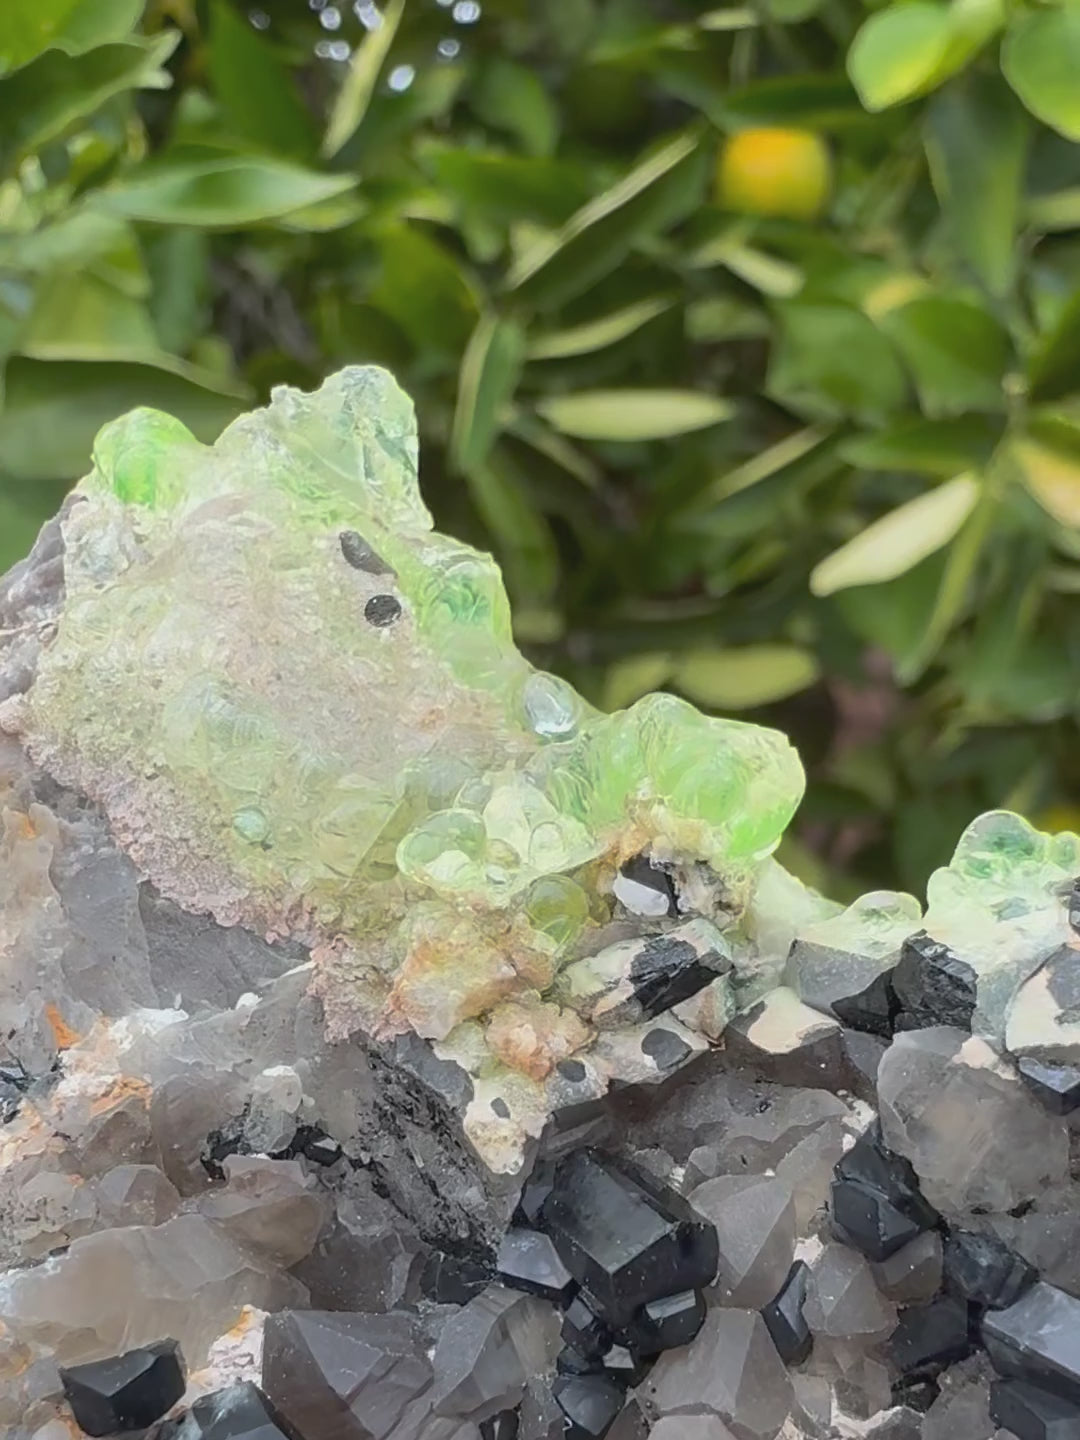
<point x="731" y="1370"/>
<point x="842" y="1302"/>
<point x="487" y="1350"/>
<point x="625" y="1244"/>
<point x="125" y="1392"/>
<point x="528" y="1260"/>
<point x="342" y="1376"/>
<point x="754" y="1218"/>
<point x="912" y="1273"/>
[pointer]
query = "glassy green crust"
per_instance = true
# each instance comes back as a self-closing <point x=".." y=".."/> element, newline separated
<point x="303" y="710"/>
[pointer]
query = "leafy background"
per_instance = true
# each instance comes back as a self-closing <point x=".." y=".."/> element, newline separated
<point x="824" y="473"/>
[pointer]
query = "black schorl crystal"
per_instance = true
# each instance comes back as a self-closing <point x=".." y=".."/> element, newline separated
<point x="382" y="610"/>
<point x="1057" y="1086"/>
<point x="667" y="1323"/>
<point x="504" y="1426"/>
<point x="1032" y="1413"/>
<point x="313" y="1144"/>
<point x="872" y="1010"/>
<point x="626" y="1243"/>
<point x="875" y="1200"/>
<point x="645" y="888"/>
<point x="534" y="1192"/>
<point x="361" y="556"/>
<point x="1073" y="906"/>
<point x="584" y="1330"/>
<point x="664" y="1048"/>
<point x="453" y="1279"/>
<point x="984" y="1270"/>
<point x="125" y="1392"/>
<point x="930" y="1337"/>
<point x="529" y="1261"/>
<point x="666" y="971"/>
<point x="220" y="1144"/>
<point x="242" y="1412"/>
<point x="1037" y="1339"/>
<point x="913" y="1395"/>
<point x="591" y="1404"/>
<point x="624" y="1365"/>
<point x="933" y="986"/>
<point x="784" y="1317"/>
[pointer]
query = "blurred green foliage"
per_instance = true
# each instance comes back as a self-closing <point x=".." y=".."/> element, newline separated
<point x="826" y="472"/>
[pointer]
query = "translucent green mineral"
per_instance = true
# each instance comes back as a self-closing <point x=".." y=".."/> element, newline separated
<point x="303" y="710"/>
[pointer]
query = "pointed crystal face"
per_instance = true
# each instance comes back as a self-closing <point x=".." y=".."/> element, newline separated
<point x="302" y="710"/>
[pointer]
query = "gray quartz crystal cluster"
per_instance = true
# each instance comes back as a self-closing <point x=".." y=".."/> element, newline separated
<point x="797" y="1172"/>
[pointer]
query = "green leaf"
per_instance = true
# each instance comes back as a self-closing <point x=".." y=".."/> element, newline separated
<point x="924" y="447"/>
<point x="909" y="48"/>
<point x="900" y="539"/>
<point x="423" y="288"/>
<point x="512" y="98"/>
<point x="76" y="238"/>
<point x="976" y="143"/>
<point x="788" y="451"/>
<point x="957" y="353"/>
<point x="522" y="534"/>
<point x="507" y="188"/>
<point x="597" y="334"/>
<point x="30" y="26"/>
<point x="1054" y="365"/>
<point x="489" y="373"/>
<point x="1048" y="459"/>
<point x="894" y="614"/>
<point x="831" y="361"/>
<point x="43" y="100"/>
<point x="1057" y="211"/>
<point x="354" y="97"/>
<point x="956" y="577"/>
<point x="225" y="194"/>
<point x="633" y="414"/>
<point x="898" y="52"/>
<point x="1041" y="60"/>
<point x="253" y="87"/>
<point x="78" y="316"/>
<point x="629" y="679"/>
<point x="722" y="317"/>
<point x="53" y="409"/>
<point x="744" y="677"/>
<point x="652" y="196"/>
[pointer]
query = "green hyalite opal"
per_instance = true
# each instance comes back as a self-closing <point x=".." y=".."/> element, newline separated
<point x="302" y="709"/>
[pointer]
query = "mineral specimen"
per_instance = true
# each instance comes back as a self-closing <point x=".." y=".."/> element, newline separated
<point x="376" y="1017"/>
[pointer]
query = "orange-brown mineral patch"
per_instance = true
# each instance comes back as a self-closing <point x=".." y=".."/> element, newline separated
<point x="446" y="979"/>
<point x="532" y="1036"/>
<point x="63" y="1034"/>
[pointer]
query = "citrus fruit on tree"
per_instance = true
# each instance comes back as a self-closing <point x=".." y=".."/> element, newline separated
<point x="773" y="171"/>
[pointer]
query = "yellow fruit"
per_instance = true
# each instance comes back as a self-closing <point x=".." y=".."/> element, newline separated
<point x="775" y="172"/>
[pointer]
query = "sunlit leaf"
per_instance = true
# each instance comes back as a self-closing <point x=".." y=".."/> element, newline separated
<point x="254" y="88"/>
<point x="1041" y="60"/>
<point x="745" y="676"/>
<point x="489" y="374"/>
<point x="354" y="97"/>
<point x="597" y="334"/>
<point x="900" y="539"/>
<point x="220" y="194"/>
<point x="633" y="414"/>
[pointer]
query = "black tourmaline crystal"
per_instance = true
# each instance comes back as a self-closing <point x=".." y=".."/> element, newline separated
<point x="125" y="1392"/>
<point x="933" y="986"/>
<point x="930" y="1337"/>
<point x="504" y="1426"/>
<point x="1057" y="1086"/>
<point x="668" y="1323"/>
<point x="645" y="888"/>
<point x="529" y="1261"/>
<point x="583" y="1330"/>
<point x="625" y="1243"/>
<point x="872" y="1010"/>
<point x="666" y="971"/>
<point x="1037" y="1339"/>
<point x="984" y="1270"/>
<point x="875" y="1200"/>
<point x="591" y="1404"/>
<point x="784" y="1317"/>
<point x="242" y="1412"/>
<point x="1032" y="1413"/>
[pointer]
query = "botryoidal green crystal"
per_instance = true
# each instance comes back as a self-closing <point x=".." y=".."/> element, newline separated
<point x="302" y="710"/>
